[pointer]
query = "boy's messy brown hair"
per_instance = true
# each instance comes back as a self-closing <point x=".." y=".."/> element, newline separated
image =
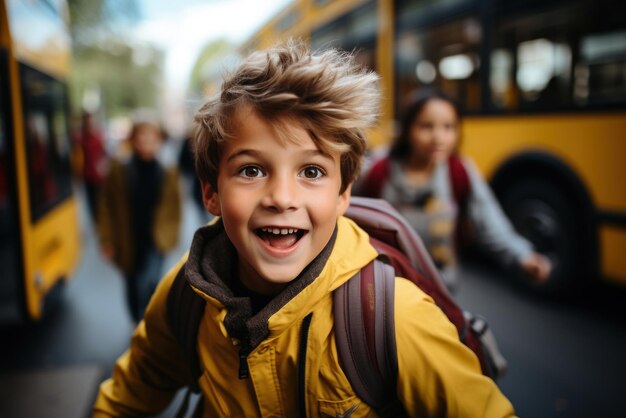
<point x="326" y="93"/>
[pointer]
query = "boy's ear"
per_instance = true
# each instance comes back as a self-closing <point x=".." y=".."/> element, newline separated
<point x="344" y="200"/>
<point x="211" y="199"/>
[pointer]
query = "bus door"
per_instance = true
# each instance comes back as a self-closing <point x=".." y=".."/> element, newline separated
<point x="11" y="291"/>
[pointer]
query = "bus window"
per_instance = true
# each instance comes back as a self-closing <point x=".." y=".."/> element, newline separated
<point x="556" y="59"/>
<point x="600" y="74"/>
<point x="501" y="79"/>
<point x="355" y="31"/>
<point x="532" y="59"/>
<point x="418" y="12"/>
<point x="446" y="55"/>
<point x="47" y="140"/>
<point x="543" y="70"/>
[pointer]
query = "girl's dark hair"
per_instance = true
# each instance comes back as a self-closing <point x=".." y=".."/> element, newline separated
<point x="401" y="147"/>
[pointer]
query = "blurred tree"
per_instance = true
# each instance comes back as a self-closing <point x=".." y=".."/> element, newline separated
<point x="213" y="60"/>
<point x="88" y="17"/>
<point x="110" y="72"/>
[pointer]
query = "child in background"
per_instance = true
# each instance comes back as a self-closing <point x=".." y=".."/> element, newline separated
<point x="139" y="215"/>
<point x="95" y="160"/>
<point x="278" y="150"/>
<point x="418" y="178"/>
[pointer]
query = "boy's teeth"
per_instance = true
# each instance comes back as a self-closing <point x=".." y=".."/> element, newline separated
<point x="279" y="231"/>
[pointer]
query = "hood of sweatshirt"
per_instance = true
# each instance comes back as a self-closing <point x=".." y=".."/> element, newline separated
<point x="211" y="269"/>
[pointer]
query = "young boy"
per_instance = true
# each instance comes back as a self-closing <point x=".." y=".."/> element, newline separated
<point x="277" y="152"/>
<point x="139" y="215"/>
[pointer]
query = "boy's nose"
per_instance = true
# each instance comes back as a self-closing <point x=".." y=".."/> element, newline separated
<point x="281" y="195"/>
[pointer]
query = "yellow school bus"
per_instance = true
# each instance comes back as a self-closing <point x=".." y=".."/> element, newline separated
<point x="542" y="84"/>
<point x="39" y="225"/>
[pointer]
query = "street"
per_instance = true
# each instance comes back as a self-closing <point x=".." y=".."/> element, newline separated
<point x="565" y="358"/>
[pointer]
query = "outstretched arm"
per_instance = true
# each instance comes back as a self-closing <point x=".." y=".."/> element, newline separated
<point x="495" y="233"/>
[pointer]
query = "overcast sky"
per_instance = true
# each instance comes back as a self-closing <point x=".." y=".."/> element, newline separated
<point x="183" y="27"/>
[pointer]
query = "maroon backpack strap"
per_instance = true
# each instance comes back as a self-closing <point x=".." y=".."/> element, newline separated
<point x="459" y="180"/>
<point x="460" y="183"/>
<point x="384" y="223"/>
<point x="398" y="244"/>
<point x="376" y="178"/>
<point x="365" y="335"/>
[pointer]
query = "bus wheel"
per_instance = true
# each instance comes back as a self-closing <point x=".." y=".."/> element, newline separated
<point x="545" y="215"/>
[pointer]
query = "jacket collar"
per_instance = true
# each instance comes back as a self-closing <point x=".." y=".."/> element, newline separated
<point x="211" y="266"/>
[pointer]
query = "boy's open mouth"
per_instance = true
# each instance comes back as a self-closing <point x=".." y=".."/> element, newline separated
<point x="280" y="237"/>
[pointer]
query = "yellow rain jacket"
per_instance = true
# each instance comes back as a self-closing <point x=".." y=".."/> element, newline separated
<point x="438" y="375"/>
<point x="114" y="215"/>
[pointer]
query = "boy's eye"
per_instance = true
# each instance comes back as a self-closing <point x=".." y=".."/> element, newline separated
<point x="251" y="171"/>
<point x="312" y="172"/>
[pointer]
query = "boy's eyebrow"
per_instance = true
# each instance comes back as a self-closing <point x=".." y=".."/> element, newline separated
<point x="243" y="153"/>
<point x="258" y="154"/>
<point x="318" y="152"/>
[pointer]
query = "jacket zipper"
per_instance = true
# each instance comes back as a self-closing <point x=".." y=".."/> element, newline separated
<point x="244" y="371"/>
<point x="304" y="336"/>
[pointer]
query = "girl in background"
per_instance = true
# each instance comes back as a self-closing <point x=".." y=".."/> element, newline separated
<point x="437" y="190"/>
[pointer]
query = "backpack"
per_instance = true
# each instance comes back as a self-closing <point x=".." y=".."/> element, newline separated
<point x="378" y="175"/>
<point x="364" y="310"/>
